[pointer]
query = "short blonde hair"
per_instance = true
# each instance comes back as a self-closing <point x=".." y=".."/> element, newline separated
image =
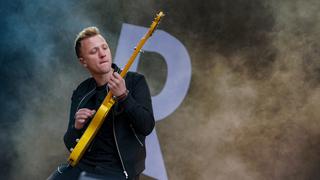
<point x="85" y="33"/>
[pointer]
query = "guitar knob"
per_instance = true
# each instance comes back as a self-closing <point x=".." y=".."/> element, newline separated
<point x="77" y="140"/>
<point x="71" y="149"/>
<point x="141" y="50"/>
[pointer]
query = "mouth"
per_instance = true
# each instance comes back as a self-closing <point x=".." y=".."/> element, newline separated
<point x="102" y="62"/>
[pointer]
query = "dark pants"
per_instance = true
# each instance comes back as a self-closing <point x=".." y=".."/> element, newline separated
<point x="85" y="172"/>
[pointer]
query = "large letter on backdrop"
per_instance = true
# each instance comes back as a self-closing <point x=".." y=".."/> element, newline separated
<point x="175" y="88"/>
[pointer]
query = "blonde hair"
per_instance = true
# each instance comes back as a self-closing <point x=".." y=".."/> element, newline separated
<point x="85" y="33"/>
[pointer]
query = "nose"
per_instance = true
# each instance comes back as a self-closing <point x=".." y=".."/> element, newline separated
<point x="102" y="53"/>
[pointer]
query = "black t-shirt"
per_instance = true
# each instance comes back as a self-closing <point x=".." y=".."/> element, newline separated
<point x="102" y="151"/>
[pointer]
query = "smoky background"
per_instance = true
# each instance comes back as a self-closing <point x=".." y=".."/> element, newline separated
<point x="251" y="111"/>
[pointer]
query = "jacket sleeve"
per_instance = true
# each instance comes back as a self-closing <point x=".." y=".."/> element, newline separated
<point x="72" y="133"/>
<point x="137" y="105"/>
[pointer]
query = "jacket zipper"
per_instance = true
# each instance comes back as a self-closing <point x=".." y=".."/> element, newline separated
<point x="84" y="97"/>
<point x="117" y="146"/>
<point x="91" y="145"/>
<point x="135" y="134"/>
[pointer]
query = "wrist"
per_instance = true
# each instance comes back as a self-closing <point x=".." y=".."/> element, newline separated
<point x="122" y="96"/>
<point x="77" y="127"/>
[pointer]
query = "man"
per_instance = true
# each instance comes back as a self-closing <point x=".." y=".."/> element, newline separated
<point x="118" y="150"/>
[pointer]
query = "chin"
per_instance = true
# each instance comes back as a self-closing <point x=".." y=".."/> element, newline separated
<point x="101" y="70"/>
<point x="105" y="68"/>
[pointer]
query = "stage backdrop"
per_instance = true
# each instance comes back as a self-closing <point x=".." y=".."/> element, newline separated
<point x="235" y="84"/>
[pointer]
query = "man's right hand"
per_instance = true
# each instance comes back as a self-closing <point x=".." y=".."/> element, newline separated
<point x="82" y="116"/>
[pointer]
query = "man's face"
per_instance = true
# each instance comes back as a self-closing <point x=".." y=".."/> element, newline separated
<point x="95" y="55"/>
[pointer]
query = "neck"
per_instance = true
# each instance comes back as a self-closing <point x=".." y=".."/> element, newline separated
<point x="102" y="79"/>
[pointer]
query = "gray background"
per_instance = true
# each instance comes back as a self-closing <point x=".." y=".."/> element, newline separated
<point x="252" y="110"/>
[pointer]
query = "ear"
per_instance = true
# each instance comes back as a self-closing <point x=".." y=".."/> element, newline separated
<point x="83" y="62"/>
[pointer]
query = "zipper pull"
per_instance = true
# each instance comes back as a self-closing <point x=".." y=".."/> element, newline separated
<point x="126" y="174"/>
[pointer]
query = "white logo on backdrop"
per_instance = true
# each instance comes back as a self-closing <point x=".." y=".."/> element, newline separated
<point x="175" y="88"/>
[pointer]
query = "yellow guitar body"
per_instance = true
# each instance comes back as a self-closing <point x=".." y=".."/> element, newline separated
<point x="108" y="102"/>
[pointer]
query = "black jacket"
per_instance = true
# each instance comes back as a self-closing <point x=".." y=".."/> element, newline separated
<point x="132" y="119"/>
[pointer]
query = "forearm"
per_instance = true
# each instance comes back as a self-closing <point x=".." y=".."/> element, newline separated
<point x="71" y="136"/>
<point x="140" y="114"/>
<point x="137" y="105"/>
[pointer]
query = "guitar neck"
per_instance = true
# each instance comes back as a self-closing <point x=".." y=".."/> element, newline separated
<point x="141" y="43"/>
